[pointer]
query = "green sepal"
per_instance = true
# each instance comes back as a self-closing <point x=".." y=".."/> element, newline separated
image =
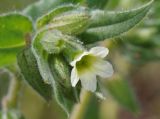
<point x="29" y="69"/>
<point x="54" y="42"/>
<point x="46" y="43"/>
<point x="64" y="99"/>
<point x="55" y="71"/>
<point x="61" y="69"/>
<point x="41" y="56"/>
<point x="105" y="25"/>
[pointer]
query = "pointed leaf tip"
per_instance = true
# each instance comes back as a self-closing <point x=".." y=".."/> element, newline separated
<point x="104" y="24"/>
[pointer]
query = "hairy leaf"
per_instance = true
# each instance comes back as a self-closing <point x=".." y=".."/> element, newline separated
<point x="8" y="55"/>
<point x="28" y="67"/>
<point x="14" y="30"/>
<point x="110" y="24"/>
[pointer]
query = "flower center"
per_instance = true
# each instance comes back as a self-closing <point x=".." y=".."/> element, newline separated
<point x="85" y="64"/>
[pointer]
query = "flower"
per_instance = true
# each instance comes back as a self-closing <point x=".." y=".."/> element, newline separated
<point x="88" y="65"/>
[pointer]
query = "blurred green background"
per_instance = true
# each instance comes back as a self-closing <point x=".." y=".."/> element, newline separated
<point x="136" y="56"/>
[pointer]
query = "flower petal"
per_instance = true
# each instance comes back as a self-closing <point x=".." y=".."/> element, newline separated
<point x="99" y="51"/>
<point x="78" y="58"/>
<point x="103" y="68"/>
<point x="89" y="82"/>
<point x="74" y="77"/>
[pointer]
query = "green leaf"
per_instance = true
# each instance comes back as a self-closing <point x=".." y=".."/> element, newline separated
<point x="8" y="55"/>
<point x="28" y="67"/>
<point x="110" y="24"/>
<point x="121" y="91"/>
<point x="14" y="29"/>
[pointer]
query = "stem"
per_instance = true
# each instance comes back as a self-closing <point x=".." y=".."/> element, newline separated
<point x="80" y="109"/>
<point x="10" y="100"/>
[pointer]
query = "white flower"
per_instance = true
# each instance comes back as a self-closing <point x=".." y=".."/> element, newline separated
<point x="88" y="65"/>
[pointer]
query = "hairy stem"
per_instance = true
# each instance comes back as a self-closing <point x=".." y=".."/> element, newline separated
<point x="10" y="100"/>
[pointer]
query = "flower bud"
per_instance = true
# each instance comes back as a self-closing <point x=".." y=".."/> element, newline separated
<point x="55" y="42"/>
<point x="60" y="70"/>
<point x="70" y="21"/>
